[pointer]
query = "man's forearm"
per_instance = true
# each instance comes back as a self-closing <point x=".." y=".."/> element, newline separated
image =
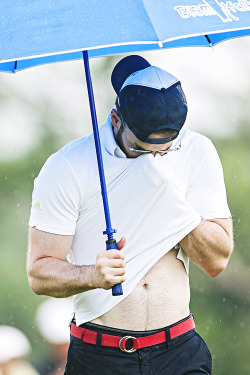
<point x="210" y="245"/>
<point x="57" y="278"/>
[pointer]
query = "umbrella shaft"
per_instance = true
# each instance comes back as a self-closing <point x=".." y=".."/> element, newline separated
<point x="109" y="230"/>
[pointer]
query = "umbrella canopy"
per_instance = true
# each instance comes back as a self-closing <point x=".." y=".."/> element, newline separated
<point x="43" y="31"/>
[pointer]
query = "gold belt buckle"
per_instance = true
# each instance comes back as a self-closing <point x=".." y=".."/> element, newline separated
<point x="132" y="350"/>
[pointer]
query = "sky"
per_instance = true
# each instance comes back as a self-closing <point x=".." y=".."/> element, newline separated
<point x="215" y="81"/>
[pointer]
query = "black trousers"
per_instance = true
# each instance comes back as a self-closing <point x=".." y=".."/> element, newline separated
<point x="187" y="354"/>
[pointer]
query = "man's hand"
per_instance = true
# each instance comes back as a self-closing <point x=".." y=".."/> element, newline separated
<point x="110" y="267"/>
<point x="49" y="274"/>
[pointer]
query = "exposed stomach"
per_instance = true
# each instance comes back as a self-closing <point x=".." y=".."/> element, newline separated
<point x="161" y="298"/>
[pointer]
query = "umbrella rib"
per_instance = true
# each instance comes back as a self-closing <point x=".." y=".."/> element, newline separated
<point x="159" y="41"/>
<point x="209" y="41"/>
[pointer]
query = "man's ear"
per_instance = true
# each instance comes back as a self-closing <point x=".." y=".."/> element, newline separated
<point x="115" y="118"/>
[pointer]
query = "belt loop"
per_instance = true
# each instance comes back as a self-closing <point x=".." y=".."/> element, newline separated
<point x="168" y="338"/>
<point x="98" y="341"/>
<point x="82" y="335"/>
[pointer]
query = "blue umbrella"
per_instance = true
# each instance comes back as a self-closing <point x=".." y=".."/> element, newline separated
<point x="42" y="31"/>
<point x="35" y="32"/>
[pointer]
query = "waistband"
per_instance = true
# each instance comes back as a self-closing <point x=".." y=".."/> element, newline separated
<point x="130" y="341"/>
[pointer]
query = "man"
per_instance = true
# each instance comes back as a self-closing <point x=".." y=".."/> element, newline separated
<point x="167" y="197"/>
<point x="14" y="351"/>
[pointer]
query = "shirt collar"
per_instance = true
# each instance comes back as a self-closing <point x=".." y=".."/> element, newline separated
<point x="177" y="140"/>
<point x="108" y="139"/>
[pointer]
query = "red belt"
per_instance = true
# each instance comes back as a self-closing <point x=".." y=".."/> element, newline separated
<point x="90" y="337"/>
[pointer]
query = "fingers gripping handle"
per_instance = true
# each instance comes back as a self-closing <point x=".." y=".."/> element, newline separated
<point x="116" y="289"/>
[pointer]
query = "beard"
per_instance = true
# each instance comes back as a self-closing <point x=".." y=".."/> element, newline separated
<point x="119" y="139"/>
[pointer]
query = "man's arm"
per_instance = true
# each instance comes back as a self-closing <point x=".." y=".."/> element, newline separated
<point x="51" y="275"/>
<point x="210" y="245"/>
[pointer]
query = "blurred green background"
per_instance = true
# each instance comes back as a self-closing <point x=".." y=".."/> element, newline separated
<point x="44" y="108"/>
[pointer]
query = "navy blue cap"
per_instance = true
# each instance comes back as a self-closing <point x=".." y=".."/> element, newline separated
<point x="124" y="68"/>
<point x="150" y="99"/>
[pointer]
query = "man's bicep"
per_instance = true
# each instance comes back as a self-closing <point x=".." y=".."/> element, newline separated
<point x="44" y="244"/>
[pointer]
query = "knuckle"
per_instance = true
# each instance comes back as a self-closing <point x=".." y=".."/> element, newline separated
<point x="113" y="252"/>
<point x="99" y="264"/>
<point x="120" y="254"/>
<point x="102" y="262"/>
<point x="107" y="279"/>
<point x="103" y="272"/>
<point x="99" y="256"/>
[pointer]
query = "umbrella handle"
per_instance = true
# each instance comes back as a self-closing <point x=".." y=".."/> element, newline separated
<point x="116" y="289"/>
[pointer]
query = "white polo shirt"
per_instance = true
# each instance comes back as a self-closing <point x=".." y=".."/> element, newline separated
<point x="154" y="202"/>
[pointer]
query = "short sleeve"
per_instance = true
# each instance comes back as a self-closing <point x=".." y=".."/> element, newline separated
<point x="207" y="191"/>
<point x="55" y="198"/>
